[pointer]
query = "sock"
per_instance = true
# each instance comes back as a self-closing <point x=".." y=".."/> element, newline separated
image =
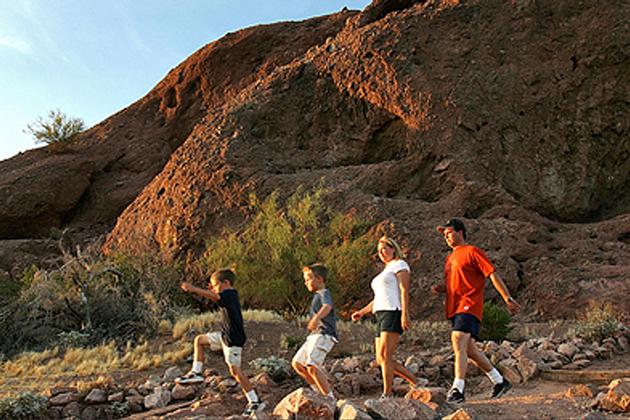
<point x="251" y="396"/>
<point x="459" y="384"/>
<point x="197" y="367"/>
<point x="495" y="376"/>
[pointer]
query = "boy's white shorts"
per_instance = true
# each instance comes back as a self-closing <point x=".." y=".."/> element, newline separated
<point x="232" y="355"/>
<point x="314" y="350"/>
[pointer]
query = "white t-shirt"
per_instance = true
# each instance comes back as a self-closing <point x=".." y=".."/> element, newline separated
<point x="386" y="288"/>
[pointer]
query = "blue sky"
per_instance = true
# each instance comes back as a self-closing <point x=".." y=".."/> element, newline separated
<point x="91" y="58"/>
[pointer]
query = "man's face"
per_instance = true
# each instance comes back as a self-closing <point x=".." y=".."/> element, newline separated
<point x="312" y="282"/>
<point x="452" y="237"/>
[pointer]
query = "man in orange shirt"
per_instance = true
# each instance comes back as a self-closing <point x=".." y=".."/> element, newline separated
<point x="465" y="273"/>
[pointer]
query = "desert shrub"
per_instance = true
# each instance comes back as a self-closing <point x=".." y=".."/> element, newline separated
<point x="24" y="406"/>
<point x="288" y="342"/>
<point x="429" y="334"/>
<point x="598" y="321"/>
<point x="119" y="409"/>
<point x="57" y="129"/>
<point x="496" y="322"/>
<point x="90" y="299"/>
<point x="268" y="253"/>
<point x="277" y="368"/>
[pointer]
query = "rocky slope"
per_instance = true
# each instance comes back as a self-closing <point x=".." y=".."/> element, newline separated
<point x="510" y="115"/>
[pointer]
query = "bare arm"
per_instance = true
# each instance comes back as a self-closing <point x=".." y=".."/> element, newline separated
<point x="403" y="284"/>
<point x="187" y="287"/>
<point x="362" y="312"/>
<point x="314" y="321"/>
<point x="499" y="284"/>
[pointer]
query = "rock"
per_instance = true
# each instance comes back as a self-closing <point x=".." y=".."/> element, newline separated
<point x="264" y="379"/>
<point x="431" y="372"/>
<point x="72" y="409"/>
<point x="438" y="360"/>
<point x="460" y="414"/>
<point x="527" y="368"/>
<point x="350" y="364"/>
<point x="524" y="351"/>
<point x="579" y="356"/>
<point x="96" y="396"/>
<point x="427" y="394"/>
<point x="183" y="392"/>
<point x="349" y="411"/>
<point x="622" y="342"/>
<point x="61" y="390"/>
<point x="160" y="398"/>
<point x="546" y="344"/>
<point x="92" y="413"/>
<point x="305" y="404"/>
<point x="509" y="370"/>
<point x="414" y="360"/>
<point x="556" y="364"/>
<point x="579" y="391"/>
<point x="65" y="398"/>
<point x="171" y="374"/>
<point x="116" y="397"/>
<point x="580" y="364"/>
<point x="617" y="399"/>
<point x="549" y="355"/>
<point x="399" y="408"/>
<point x="54" y="413"/>
<point x="567" y="349"/>
<point x="226" y="384"/>
<point x="135" y="402"/>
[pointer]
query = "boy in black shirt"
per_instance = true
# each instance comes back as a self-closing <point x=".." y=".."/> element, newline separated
<point x="231" y="338"/>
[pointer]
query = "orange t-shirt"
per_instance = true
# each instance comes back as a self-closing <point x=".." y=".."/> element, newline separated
<point x="465" y="273"/>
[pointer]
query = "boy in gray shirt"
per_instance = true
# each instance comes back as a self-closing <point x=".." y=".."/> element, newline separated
<point x="308" y="362"/>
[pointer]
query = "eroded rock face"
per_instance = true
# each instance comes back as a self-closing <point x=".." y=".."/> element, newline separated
<point x="413" y="112"/>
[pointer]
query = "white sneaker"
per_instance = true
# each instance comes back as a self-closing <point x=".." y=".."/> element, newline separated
<point x="191" y="377"/>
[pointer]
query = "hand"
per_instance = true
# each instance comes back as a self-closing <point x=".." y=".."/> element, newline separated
<point x="186" y="287"/>
<point x="437" y="289"/>
<point x="512" y="305"/>
<point x="356" y="315"/>
<point x="405" y="323"/>
<point x="312" y="324"/>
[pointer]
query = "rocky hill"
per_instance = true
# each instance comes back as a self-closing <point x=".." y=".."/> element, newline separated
<point x="510" y="115"/>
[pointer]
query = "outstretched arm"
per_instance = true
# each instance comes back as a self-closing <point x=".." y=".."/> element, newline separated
<point x="209" y="294"/>
<point x="499" y="284"/>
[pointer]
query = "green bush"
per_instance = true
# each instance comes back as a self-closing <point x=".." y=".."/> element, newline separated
<point x="288" y="342"/>
<point x="25" y="406"/>
<point x="269" y="252"/>
<point x="496" y="320"/>
<point x="89" y="300"/>
<point x="57" y="129"/>
<point x="599" y="321"/>
<point x="277" y="368"/>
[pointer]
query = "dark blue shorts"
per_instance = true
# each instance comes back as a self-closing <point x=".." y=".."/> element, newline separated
<point x="466" y="323"/>
<point x="388" y="321"/>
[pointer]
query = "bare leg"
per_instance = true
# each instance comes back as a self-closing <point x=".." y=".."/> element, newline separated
<point x="478" y="357"/>
<point x="200" y="342"/>
<point x="301" y="370"/>
<point x="400" y="370"/>
<point x="241" y="378"/>
<point x="460" y="342"/>
<point x="388" y="342"/>
<point x="319" y="378"/>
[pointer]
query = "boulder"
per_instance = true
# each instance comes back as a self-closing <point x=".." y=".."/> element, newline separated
<point x="427" y="394"/>
<point x="160" y="398"/>
<point x="527" y="368"/>
<point x="349" y="411"/>
<point x="135" y="402"/>
<point x="61" y="390"/>
<point x="524" y="351"/>
<point x="305" y="404"/>
<point x="623" y="344"/>
<point x="567" y="349"/>
<point x="509" y="370"/>
<point x="399" y="408"/>
<point x="72" y="409"/>
<point x="171" y="374"/>
<point x="116" y="397"/>
<point x="64" y="399"/>
<point x="226" y="385"/>
<point x="96" y="396"/>
<point x="183" y="392"/>
<point x="263" y="379"/>
<point x="617" y="399"/>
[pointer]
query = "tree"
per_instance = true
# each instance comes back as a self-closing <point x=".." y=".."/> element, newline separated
<point x="58" y="128"/>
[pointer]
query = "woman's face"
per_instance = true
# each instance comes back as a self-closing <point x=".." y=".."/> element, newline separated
<point x="385" y="252"/>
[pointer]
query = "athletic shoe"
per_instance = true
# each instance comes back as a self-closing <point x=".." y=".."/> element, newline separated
<point x="502" y="388"/>
<point x="253" y="408"/>
<point x="191" y="377"/>
<point x="454" y="396"/>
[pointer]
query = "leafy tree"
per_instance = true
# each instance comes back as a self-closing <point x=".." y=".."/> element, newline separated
<point x="58" y="128"/>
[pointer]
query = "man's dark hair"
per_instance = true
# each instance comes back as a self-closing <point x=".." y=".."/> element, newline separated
<point x="456" y="224"/>
<point x="319" y="270"/>
<point x="225" y="275"/>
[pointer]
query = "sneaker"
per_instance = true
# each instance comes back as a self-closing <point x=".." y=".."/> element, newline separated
<point x="454" y="396"/>
<point x="502" y="388"/>
<point x="253" y="408"/>
<point x="191" y="377"/>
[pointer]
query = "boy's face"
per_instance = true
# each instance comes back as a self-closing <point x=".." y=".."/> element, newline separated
<point x="312" y="282"/>
<point x="215" y="285"/>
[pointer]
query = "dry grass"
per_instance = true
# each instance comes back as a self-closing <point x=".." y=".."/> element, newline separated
<point x="205" y="322"/>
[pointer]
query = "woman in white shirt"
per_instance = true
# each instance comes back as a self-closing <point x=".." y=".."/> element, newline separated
<point x="391" y="308"/>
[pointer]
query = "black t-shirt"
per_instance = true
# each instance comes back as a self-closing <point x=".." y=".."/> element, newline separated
<point x="232" y="330"/>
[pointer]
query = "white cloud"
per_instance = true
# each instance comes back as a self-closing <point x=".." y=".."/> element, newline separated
<point x="17" y="44"/>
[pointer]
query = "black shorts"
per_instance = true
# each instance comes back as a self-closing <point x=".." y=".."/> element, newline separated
<point x="388" y="321"/>
<point x="466" y="323"/>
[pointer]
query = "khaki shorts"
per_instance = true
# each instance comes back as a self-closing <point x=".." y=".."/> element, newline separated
<point x="232" y="355"/>
<point x="314" y="350"/>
